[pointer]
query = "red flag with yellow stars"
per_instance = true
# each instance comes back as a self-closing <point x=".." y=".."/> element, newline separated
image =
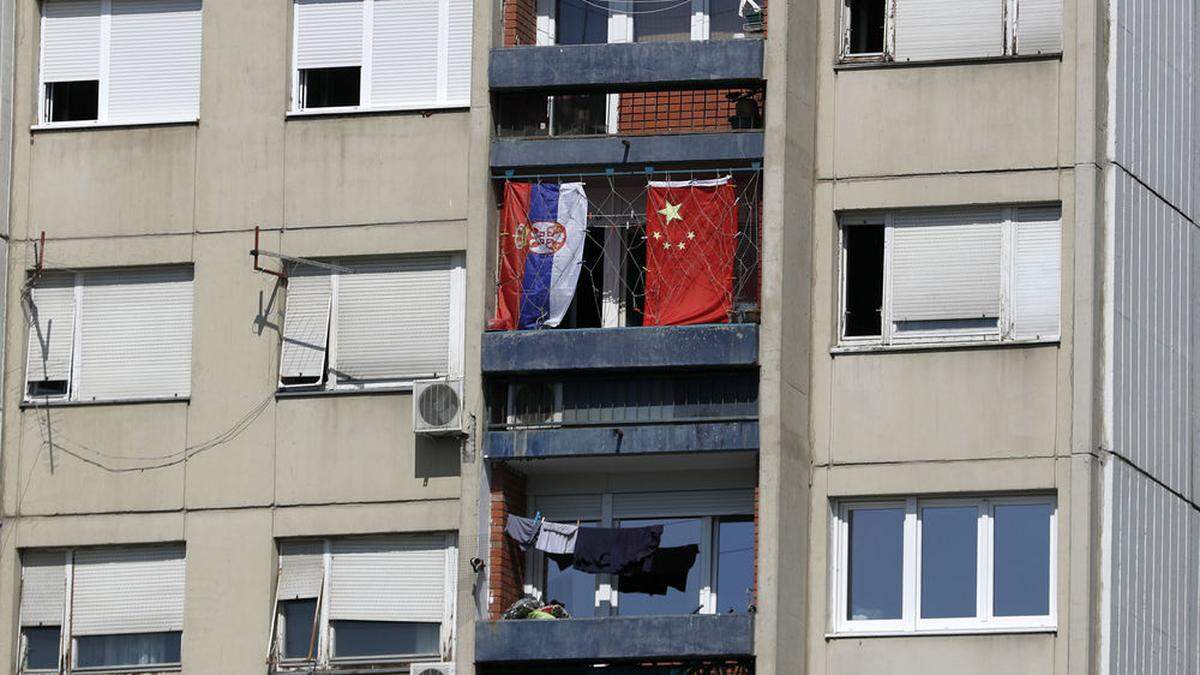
<point x="691" y="233"/>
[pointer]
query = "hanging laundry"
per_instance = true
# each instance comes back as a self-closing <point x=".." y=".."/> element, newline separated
<point x="667" y="567"/>
<point x="556" y="538"/>
<point x="606" y="550"/>
<point x="522" y="530"/>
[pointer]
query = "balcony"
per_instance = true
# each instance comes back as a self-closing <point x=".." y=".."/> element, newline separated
<point x="615" y="639"/>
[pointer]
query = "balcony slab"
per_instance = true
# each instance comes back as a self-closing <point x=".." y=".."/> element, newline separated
<point x="642" y="439"/>
<point x="738" y="147"/>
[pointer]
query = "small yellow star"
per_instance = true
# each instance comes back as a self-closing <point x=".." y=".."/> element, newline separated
<point x="658" y="235"/>
<point x="671" y="211"/>
<point x="691" y="235"/>
<point x="681" y="246"/>
<point x="666" y="244"/>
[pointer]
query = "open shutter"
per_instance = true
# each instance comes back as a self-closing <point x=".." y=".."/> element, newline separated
<point x="128" y="590"/>
<point x="70" y="40"/>
<point x="51" y="329"/>
<point x="301" y="569"/>
<point x="305" y="328"/>
<point x="154" y="66"/>
<point x="1039" y="26"/>
<point x="329" y="33"/>
<point x="136" y="334"/>
<point x="946" y="265"/>
<point x="458" y="53"/>
<point x="43" y="588"/>
<point x="949" y="29"/>
<point x="1037" y="268"/>
<point x="393" y="320"/>
<point x="401" y="578"/>
<point x="404" y="53"/>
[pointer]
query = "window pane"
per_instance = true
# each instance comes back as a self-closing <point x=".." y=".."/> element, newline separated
<point x="384" y="638"/>
<point x="73" y="101"/>
<point x="41" y="648"/>
<point x="1022" y="560"/>
<point x="676" y="532"/>
<point x="94" y="651"/>
<point x="949" y="548"/>
<point x="876" y="566"/>
<point x="663" y="20"/>
<point x="574" y="589"/>
<point x="331" y="87"/>
<point x="724" y="20"/>
<point x="864" y="279"/>
<point x="298" y="619"/>
<point x="866" y="26"/>
<point x="735" y="565"/>
<point x="582" y="22"/>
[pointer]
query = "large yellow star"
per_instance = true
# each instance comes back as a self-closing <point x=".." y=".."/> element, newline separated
<point x="671" y="211"/>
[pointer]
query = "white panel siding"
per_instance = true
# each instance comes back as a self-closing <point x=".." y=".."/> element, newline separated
<point x="1154" y="103"/>
<point x="1037" y="268"/>
<point x="682" y="504"/>
<point x="404" y="70"/>
<point x="937" y="29"/>
<point x="128" y="590"/>
<point x="400" y="578"/>
<point x="1153" y="308"/>
<point x="70" y="40"/>
<point x="1153" y="588"/>
<point x="458" y="63"/>
<point x="946" y="265"/>
<point x="136" y="334"/>
<point x="305" y="325"/>
<point x="154" y="71"/>
<point x="329" y="33"/>
<point x="43" y="588"/>
<point x="1039" y="26"/>
<point x="51" y="328"/>
<point x="301" y="569"/>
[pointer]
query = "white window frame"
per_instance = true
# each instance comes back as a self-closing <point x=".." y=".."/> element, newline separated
<point x="455" y="346"/>
<point x="297" y="109"/>
<point x="889" y="35"/>
<point x="910" y="621"/>
<point x="323" y="655"/>
<point x="1003" y="332"/>
<point x="104" y="79"/>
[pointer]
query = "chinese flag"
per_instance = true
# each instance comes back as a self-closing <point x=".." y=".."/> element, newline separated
<point x="691" y="236"/>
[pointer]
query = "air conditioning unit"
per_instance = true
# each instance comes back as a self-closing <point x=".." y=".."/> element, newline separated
<point x="432" y="669"/>
<point x="437" y="407"/>
<point x="533" y="405"/>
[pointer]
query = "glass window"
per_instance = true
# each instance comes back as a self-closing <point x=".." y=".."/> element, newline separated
<point x="299" y="628"/>
<point x="582" y="22"/>
<point x="876" y="564"/>
<point x="735" y="565"/>
<point x="864" y="279"/>
<point x="97" y="651"/>
<point x="949" y="548"/>
<point x="663" y="21"/>
<point x="1021" y="559"/>
<point x="353" y="639"/>
<point x="41" y="647"/>
<point x="574" y="589"/>
<point x="676" y="532"/>
<point x="866" y="26"/>
<point x="725" y="20"/>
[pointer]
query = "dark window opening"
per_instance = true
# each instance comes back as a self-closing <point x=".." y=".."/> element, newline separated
<point x="522" y="115"/>
<point x="47" y="389"/>
<point x="300" y="380"/>
<point x="73" y="101"/>
<point x="635" y="279"/>
<point x="663" y="21"/>
<point x="725" y="19"/>
<point x="580" y="115"/>
<point x="111" y="651"/>
<point x="866" y="26"/>
<point x="586" y="310"/>
<point x="384" y="638"/>
<point x="41" y="648"/>
<point x="331" y="87"/>
<point x="864" y="279"/>
<point x="582" y="22"/>
<point x="299" y="628"/>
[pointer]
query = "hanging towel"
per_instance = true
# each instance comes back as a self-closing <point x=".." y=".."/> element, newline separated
<point x="522" y="530"/>
<point x="556" y="538"/>
<point x="606" y="550"/>
<point x="666" y="567"/>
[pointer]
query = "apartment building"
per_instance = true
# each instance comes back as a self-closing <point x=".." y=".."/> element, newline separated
<point x="879" y="312"/>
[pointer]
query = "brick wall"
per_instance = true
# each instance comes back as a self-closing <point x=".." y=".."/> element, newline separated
<point x="661" y="112"/>
<point x="520" y="22"/>
<point x="506" y="561"/>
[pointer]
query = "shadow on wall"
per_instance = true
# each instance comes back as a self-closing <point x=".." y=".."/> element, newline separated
<point x="436" y="457"/>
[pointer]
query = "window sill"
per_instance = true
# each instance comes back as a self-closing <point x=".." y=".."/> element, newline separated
<point x="75" y="126"/>
<point x="356" y="111"/>
<point x="1037" y="630"/>
<point x="400" y="388"/>
<point x="867" y="63"/>
<point x="851" y="348"/>
<point x="27" y="404"/>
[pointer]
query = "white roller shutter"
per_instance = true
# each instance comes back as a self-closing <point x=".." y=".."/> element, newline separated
<point x="136" y="334"/>
<point x="946" y="265"/>
<point x="301" y="569"/>
<point x="154" y="67"/>
<point x="458" y="53"/>
<point x="404" y="68"/>
<point x="43" y="588"/>
<point x="305" y="325"/>
<point x="393" y="319"/>
<point x="1037" y="267"/>
<point x="682" y="504"/>
<point x="401" y="578"/>
<point x="569" y="507"/>
<point x="51" y="328"/>
<point x="70" y="40"/>
<point x="329" y="33"/>
<point x="949" y="29"/>
<point x="1039" y="26"/>
<point x="128" y="590"/>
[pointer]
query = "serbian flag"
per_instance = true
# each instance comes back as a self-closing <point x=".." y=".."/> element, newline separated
<point x="542" y="228"/>
<point x="691" y="237"/>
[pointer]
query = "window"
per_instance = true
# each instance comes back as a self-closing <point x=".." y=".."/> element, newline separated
<point x="120" y="61"/>
<point x="124" y="610"/>
<point x="354" y="599"/>
<point x="719" y="522"/>
<point x="951" y="275"/>
<point x="592" y="21"/>
<point x="373" y="322"/>
<point x="917" y="565"/>
<point x="110" y="335"/>
<point x="921" y="30"/>
<point x="381" y="55"/>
